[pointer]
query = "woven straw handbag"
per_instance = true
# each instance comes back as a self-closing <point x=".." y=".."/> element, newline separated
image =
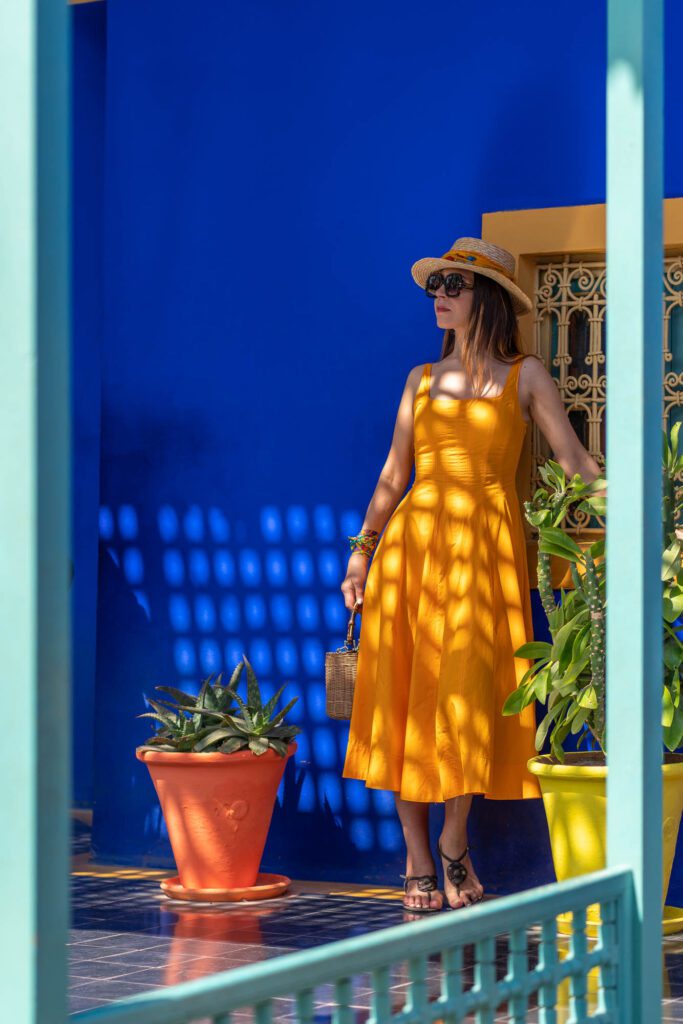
<point x="340" y="674"/>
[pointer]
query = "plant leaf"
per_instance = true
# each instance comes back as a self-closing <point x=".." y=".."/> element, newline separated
<point x="279" y="747"/>
<point x="258" y="745"/>
<point x="540" y="685"/>
<point x="213" y="737"/>
<point x="283" y="730"/>
<point x="235" y="677"/>
<point x="579" y="719"/>
<point x="232" y="744"/>
<point x="576" y="667"/>
<point x="245" y="712"/>
<point x="597" y="548"/>
<point x="554" y="541"/>
<point x="179" y="696"/>
<point x="534" y="649"/>
<point x="673" y="734"/>
<point x="253" y="691"/>
<point x="240" y="724"/>
<point x="270" y="706"/>
<point x="588" y="697"/>
<point x="668" y="709"/>
<point x="151" y="714"/>
<point x="202" y="712"/>
<point x="169" y="718"/>
<point x="671" y="560"/>
<point x="281" y="714"/>
<point x="517" y="700"/>
<point x="563" y="643"/>
<point x="673" y="653"/>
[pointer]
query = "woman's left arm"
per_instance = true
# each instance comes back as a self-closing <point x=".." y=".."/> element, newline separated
<point x="539" y="394"/>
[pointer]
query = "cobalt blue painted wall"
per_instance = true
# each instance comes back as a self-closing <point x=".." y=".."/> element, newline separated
<point x="272" y="172"/>
<point x="89" y="25"/>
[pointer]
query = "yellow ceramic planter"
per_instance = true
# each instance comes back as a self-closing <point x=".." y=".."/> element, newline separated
<point x="575" y="802"/>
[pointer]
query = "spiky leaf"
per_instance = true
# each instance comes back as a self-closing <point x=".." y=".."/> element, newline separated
<point x="258" y="745"/>
<point x="279" y="746"/>
<point x="235" y="677"/>
<point x="270" y="706"/>
<point x="179" y="696"/>
<point x="213" y="737"/>
<point x="253" y="691"/>
<point x="245" y="711"/>
<point x="281" y="714"/>
<point x="232" y="744"/>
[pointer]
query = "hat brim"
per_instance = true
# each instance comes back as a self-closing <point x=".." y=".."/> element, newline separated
<point x="521" y="303"/>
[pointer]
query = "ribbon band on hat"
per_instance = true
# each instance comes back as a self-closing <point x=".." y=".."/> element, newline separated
<point x="479" y="259"/>
<point x="485" y="260"/>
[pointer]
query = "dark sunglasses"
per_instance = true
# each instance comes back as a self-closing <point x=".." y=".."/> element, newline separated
<point x="453" y="284"/>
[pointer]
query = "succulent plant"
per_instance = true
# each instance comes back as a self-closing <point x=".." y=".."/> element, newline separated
<point x="569" y="673"/>
<point x="217" y="720"/>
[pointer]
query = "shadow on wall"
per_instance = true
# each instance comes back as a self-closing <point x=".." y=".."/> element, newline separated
<point x="185" y="595"/>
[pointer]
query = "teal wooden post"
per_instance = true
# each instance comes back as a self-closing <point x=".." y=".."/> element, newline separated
<point x="34" y="517"/>
<point x="633" y="460"/>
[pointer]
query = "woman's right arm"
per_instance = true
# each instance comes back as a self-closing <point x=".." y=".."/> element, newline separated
<point x="390" y="488"/>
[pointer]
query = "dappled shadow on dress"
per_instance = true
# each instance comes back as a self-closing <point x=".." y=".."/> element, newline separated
<point x="446" y="603"/>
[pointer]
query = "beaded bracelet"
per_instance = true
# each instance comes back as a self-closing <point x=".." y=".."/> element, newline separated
<point x="365" y="542"/>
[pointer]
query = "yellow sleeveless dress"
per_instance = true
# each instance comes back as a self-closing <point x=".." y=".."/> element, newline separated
<point x="446" y="603"/>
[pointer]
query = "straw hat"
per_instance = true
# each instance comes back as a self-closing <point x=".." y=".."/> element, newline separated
<point x="481" y="257"/>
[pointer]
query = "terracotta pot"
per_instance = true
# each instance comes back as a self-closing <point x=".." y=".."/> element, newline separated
<point x="217" y="809"/>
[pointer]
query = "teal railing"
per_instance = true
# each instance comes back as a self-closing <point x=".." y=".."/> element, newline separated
<point x="434" y="955"/>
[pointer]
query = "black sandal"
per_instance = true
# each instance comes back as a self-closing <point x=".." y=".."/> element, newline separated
<point x="456" y="872"/>
<point x="425" y="883"/>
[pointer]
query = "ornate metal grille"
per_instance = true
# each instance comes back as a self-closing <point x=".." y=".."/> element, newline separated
<point x="569" y="334"/>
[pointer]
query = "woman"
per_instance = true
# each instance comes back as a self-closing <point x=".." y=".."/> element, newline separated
<point x="446" y="597"/>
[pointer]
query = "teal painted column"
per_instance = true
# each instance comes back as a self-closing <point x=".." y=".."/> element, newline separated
<point x="633" y="460"/>
<point x="34" y="510"/>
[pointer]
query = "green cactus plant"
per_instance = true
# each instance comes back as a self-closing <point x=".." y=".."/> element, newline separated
<point x="217" y="720"/>
<point x="569" y="673"/>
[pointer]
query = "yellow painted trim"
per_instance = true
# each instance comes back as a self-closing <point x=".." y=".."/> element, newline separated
<point x="124" y="873"/>
<point x="82" y="866"/>
<point x="545" y="233"/>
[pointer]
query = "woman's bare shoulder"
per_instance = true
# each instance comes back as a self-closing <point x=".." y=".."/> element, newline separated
<point x="533" y="369"/>
<point x="414" y="377"/>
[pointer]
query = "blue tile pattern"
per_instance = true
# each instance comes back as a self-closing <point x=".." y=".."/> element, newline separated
<point x="127" y="938"/>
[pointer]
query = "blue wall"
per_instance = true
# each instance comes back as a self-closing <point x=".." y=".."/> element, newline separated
<point x="88" y="138"/>
<point x="272" y="171"/>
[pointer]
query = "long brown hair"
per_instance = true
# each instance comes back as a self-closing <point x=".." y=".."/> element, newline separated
<point x="492" y="328"/>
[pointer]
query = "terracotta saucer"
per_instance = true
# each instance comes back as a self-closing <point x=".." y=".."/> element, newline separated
<point x="265" y="887"/>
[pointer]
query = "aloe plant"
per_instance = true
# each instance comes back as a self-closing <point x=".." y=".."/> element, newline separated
<point x="217" y="720"/>
<point x="569" y="672"/>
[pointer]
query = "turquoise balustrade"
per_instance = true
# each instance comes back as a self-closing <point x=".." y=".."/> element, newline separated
<point x="501" y="923"/>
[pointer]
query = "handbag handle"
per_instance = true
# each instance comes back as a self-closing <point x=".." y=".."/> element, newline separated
<point x="349" y="631"/>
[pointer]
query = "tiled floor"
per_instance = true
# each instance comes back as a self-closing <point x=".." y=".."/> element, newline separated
<point x="128" y="937"/>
